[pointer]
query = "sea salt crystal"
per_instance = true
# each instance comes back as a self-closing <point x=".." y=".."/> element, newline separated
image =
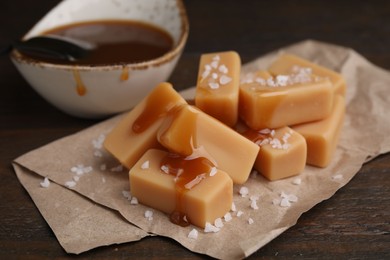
<point x="134" y="201"/>
<point x="216" y="58"/>
<point x="218" y="223"/>
<point x="193" y="234"/>
<point x="149" y="215"/>
<point x="239" y="213"/>
<point x="165" y="169"/>
<point x="297" y="181"/>
<point x="145" y="165"/>
<point x="213" y="85"/>
<point x="285" y="202"/>
<point x="214" y="64"/>
<point x="265" y="131"/>
<point x="70" y="184"/>
<point x="213" y="171"/>
<point x="98" y="142"/>
<point x="98" y="153"/>
<point x="337" y="177"/>
<point x="223" y="69"/>
<point x="244" y="191"/>
<point x="250" y="221"/>
<point x="76" y="178"/>
<point x="126" y="194"/>
<point x="45" y="183"/>
<point x="214" y="75"/>
<point x="227" y="217"/>
<point x="223" y="80"/>
<point x="195" y="181"/>
<point x="210" y="228"/>
<point x="254" y="205"/>
<point x="118" y="168"/>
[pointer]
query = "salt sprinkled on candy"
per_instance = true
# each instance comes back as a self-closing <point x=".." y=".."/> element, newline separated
<point x="195" y="181"/>
<point x="213" y="171"/>
<point x="223" y="69"/>
<point x="214" y="75"/>
<point x="193" y="234"/>
<point x="223" y="80"/>
<point x="213" y="85"/>
<point x="134" y="201"/>
<point x="227" y="217"/>
<point x="145" y="165"/>
<point x="149" y="215"/>
<point x="244" y="191"/>
<point x="210" y="228"/>
<point x="165" y="169"/>
<point x="45" y="183"/>
<point x="265" y="131"/>
<point x="250" y="221"/>
<point x="70" y="184"/>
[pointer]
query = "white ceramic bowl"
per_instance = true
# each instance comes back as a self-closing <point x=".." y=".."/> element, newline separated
<point x="107" y="91"/>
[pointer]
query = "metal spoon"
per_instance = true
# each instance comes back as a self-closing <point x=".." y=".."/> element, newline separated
<point x="52" y="47"/>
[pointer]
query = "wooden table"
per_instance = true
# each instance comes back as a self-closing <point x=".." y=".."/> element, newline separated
<point x="354" y="223"/>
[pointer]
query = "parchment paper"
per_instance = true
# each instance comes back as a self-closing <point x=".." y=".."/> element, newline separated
<point x="99" y="196"/>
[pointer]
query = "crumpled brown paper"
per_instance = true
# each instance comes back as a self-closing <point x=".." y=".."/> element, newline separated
<point x="364" y="136"/>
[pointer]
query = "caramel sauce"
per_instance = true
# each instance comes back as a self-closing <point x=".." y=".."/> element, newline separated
<point x="116" y="42"/>
<point x="125" y="74"/>
<point x="188" y="173"/>
<point x="80" y="87"/>
<point x="156" y="107"/>
<point x="254" y="135"/>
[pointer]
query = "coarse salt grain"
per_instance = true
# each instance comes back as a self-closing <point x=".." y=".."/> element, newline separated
<point x="240" y="213"/>
<point x="223" y="80"/>
<point x="126" y="194"/>
<point x="244" y="191"/>
<point x="254" y="205"/>
<point x="227" y="217"/>
<point x="145" y="165"/>
<point x="118" y="168"/>
<point x="297" y="181"/>
<point x="218" y="223"/>
<point x="134" y="201"/>
<point x="193" y="234"/>
<point x="98" y="153"/>
<point x="213" y="171"/>
<point x="149" y="215"/>
<point x="223" y="69"/>
<point x="98" y="142"/>
<point x="210" y="228"/>
<point x="70" y="184"/>
<point x="285" y="202"/>
<point x="76" y="178"/>
<point x="45" y="183"/>
<point x="195" y="181"/>
<point x="337" y="177"/>
<point x="213" y="85"/>
<point x="250" y="221"/>
<point x="165" y="169"/>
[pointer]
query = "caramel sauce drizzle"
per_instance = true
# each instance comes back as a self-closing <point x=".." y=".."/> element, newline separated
<point x="125" y="74"/>
<point x="188" y="173"/>
<point x="80" y="87"/>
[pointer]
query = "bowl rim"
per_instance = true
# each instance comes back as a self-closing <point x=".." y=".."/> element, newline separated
<point x="170" y="55"/>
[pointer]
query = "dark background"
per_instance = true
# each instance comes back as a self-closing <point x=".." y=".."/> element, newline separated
<point x="354" y="223"/>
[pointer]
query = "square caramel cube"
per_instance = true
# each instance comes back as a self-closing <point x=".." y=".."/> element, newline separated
<point x="322" y="136"/>
<point x="137" y="131"/>
<point x="288" y="63"/>
<point x="274" y="102"/>
<point x="191" y="132"/>
<point x="198" y="197"/>
<point x="217" y="88"/>
<point x="282" y="151"/>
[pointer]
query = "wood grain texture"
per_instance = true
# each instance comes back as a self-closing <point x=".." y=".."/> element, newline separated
<point x="353" y="224"/>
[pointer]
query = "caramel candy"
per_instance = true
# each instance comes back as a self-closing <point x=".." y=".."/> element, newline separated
<point x="282" y="152"/>
<point x="137" y="131"/>
<point x="274" y="102"/>
<point x="287" y="64"/>
<point x="192" y="133"/>
<point x="191" y="191"/>
<point x="218" y="86"/>
<point x="322" y="136"/>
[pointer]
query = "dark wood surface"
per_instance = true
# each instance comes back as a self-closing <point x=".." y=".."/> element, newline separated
<point x="353" y="224"/>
